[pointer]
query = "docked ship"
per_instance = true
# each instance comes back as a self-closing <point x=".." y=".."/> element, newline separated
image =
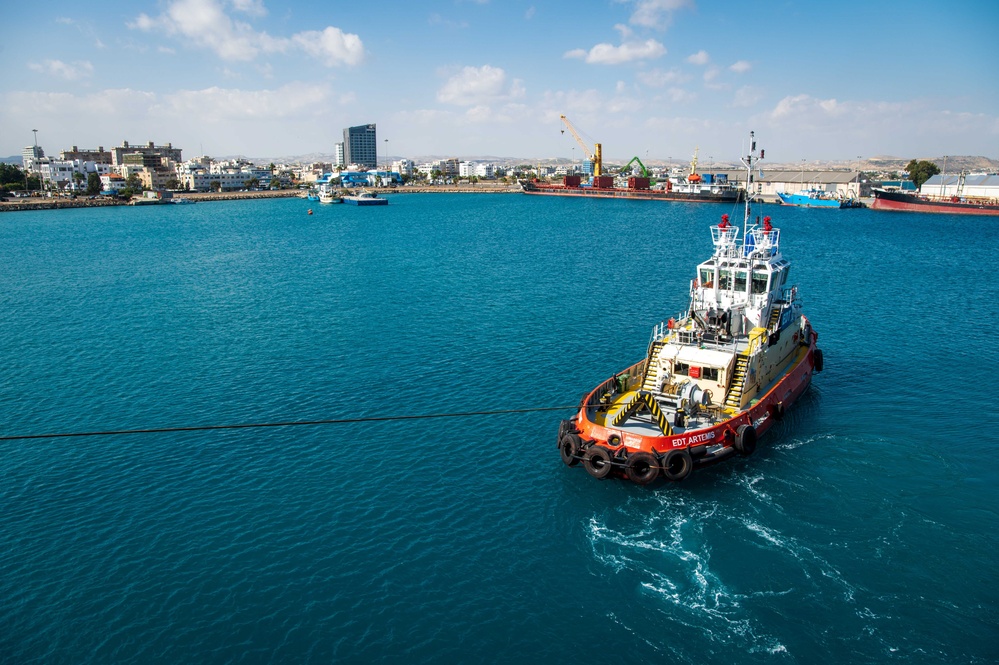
<point x="816" y="198"/>
<point x="692" y="188"/>
<point x="328" y="194"/>
<point x="698" y="190"/>
<point x="715" y="378"/>
<point x="958" y="205"/>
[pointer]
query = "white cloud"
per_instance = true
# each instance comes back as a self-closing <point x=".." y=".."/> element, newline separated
<point x="657" y="78"/>
<point x="332" y="46"/>
<point x="251" y="7"/>
<point x="656" y="13"/>
<point x="73" y="71"/>
<point x="529" y="14"/>
<point x="747" y="96"/>
<point x="205" y="24"/>
<point x="699" y="58"/>
<point x="608" y="54"/>
<point x="474" y="86"/>
<point x="740" y="67"/>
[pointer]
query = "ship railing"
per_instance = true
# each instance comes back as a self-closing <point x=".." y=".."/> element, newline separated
<point x="725" y="239"/>
<point x="760" y="242"/>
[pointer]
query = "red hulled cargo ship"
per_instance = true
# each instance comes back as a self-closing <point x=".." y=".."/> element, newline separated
<point x="957" y="205"/>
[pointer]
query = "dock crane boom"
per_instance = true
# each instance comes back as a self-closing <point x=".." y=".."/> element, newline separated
<point x="595" y="156"/>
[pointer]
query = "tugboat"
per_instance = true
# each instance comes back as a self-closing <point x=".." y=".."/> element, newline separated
<point x="716" y="377"/>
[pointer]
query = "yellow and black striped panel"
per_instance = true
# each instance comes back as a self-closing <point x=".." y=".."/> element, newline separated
<point x="657" y="413"/>
<point x="633" y="404"/>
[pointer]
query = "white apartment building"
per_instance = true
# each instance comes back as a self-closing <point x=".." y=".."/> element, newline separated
<point x="404" y="167"/>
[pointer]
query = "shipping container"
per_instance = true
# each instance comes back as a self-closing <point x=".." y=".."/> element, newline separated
<point x="707" y="178"/>
<point x="571" y="181"/>
<point x="604" y="181"/>
<point x="635" y="182"/>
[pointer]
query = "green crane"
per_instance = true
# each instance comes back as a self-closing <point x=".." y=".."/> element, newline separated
<point x="627" y="167"/>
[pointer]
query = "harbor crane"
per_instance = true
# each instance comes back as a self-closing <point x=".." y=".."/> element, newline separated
<point x="595" y="156"/>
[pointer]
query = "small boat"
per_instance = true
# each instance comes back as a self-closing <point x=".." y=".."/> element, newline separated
<point x="328" y="195"/>
<point x="715" y="378"/>
<point x="365" y="198"/>
<point x="816" y="198"/>
<point x="312" y="195"/>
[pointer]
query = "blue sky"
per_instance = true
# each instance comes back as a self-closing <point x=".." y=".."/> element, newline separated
<point x="652" y="78"/>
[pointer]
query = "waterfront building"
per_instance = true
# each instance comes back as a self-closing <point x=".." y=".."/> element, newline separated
<point x="404" y="167"/>
<point x="339" y="156"/>
<point x="99" y="156"/>
<point x="360" y="146"/>
<point x="112" y="183"/>
<point x="167" y="151"/>
<point x="976" y="185"/>
<point x="30" y="157"/>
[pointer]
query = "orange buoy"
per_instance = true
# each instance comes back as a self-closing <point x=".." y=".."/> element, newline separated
<point x="310" y="211"/>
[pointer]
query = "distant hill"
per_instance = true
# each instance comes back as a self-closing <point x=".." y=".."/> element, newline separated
<point x="13" y="159"/>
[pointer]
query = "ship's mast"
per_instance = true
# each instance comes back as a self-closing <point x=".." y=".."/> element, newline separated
<point x="750" y="161"/>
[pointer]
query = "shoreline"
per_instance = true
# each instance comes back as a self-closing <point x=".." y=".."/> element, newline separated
<point x="56" y="203"/>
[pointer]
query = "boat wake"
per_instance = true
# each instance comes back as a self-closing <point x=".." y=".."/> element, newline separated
<point x="717" y="568"/>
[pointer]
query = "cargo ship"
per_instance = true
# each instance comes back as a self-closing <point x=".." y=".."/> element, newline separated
<point x="715" y="378"/>
<point x="716" y="189"/>
<point x="957" y="205"/>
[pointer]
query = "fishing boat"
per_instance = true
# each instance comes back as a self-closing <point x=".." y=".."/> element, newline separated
<point x="816" y="198"/>
<point x="328" y="195"/>
<point x="715" y="378"/>
<point x="958" y="205"/>
<point x="312" y="194"/>
<point x="365" y="198"/>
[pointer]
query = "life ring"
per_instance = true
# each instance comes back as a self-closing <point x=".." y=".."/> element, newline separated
<point x="817" y="360"/>
<point x="641" y="468"/>
<point x="597" y="462"/>
<point x="677" y="465"/>
<point x="569" y="448"/>
<point x="745" y="440"/>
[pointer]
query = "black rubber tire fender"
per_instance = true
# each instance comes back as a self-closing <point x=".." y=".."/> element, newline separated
<point x="745" y="440"/>
<point x="677" y="465"/>
<point x="564" y="428"/>
<point x="569" y="448"/>
<point x="817" y="362"/>
<point x="642" y="468"/>
<point x="597" y="462"/>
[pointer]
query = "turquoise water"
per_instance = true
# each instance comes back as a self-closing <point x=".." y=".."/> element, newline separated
<point x="863" y="530"/>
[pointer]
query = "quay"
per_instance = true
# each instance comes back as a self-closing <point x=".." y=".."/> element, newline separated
<point x="59" y="202"/>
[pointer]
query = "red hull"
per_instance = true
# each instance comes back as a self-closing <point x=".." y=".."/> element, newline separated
<point x="634" y="194"/>
<point x="769" y="408"/>
<point x="910" y="203"/>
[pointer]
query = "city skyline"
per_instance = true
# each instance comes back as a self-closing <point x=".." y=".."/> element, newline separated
<point x="652" y="78"/>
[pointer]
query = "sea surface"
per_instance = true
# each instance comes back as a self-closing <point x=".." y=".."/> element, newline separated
<point x="864" y="530"/>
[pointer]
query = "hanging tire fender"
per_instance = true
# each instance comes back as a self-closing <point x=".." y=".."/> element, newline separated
<point x="597" y="462"/>
<point x="565" y="427"/>
<point x="642" y="468"/>
<point x="569" y="448"/>
<point x="817" y="363"/>
<point x="745" y="440"/>
<point x="677" y="465"/>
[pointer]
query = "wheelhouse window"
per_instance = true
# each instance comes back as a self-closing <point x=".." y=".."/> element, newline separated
<point x="759" y="282"/>
<point x="740" y="280"/>
<point x="707" y="277"/>
<point x="725" y="279"/>
<point x="710" y="373"/>
<point x="681" y="368"/>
